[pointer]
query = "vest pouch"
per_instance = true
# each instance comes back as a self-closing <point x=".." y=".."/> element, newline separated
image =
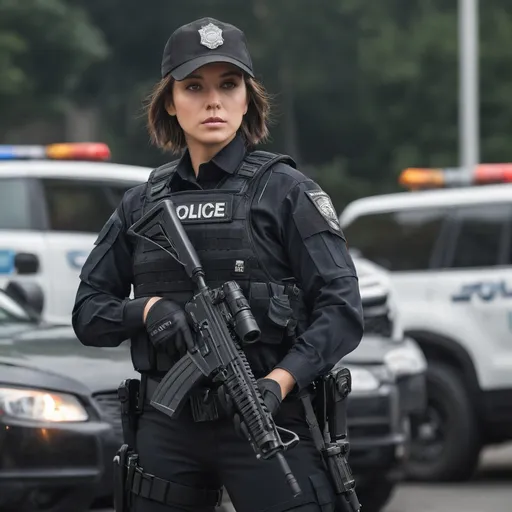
<point x="143" y="354"/>
<point x="145" y="358"/>
<point x="273" y="312"/>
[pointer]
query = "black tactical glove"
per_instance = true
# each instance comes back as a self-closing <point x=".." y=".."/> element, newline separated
<point x="271" y="393"/>
<point x="168" y="329"/>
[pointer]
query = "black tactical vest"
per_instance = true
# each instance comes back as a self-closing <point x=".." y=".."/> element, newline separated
<point x="217" y="223"/>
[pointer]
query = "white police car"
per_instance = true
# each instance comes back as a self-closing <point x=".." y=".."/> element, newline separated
<point x="449" y="253"/>
<point x="53" y="202"/>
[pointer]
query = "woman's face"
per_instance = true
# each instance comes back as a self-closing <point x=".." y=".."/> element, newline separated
<point x="210" y="103"/>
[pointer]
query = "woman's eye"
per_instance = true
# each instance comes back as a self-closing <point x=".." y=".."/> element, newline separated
<point x="193" y="87"/>
<point x="229" y="85"/>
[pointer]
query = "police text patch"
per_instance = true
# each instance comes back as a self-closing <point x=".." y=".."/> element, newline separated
<point x="205" y="211"/>
<point x="324" y="205"/>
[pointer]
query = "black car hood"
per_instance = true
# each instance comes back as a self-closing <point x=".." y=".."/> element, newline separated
<point x="53" y="358"/>
<point x="371" y="350"/>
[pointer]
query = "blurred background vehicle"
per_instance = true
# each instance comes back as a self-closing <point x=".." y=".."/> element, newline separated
<point x="449" y="255"/>
<point x="54" y="200"/>
<point x="390" y="372"/>
<point x="59" y="413"/>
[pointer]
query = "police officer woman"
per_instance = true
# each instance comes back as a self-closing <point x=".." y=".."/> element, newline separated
<point x="253" y="218"/>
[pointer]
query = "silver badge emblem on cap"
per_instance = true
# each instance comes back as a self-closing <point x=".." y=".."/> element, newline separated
<point x="211" y="36"/>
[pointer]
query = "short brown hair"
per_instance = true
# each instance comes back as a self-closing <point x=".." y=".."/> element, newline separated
<point x="166" y="133"/>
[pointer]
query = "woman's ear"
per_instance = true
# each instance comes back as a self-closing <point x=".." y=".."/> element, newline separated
<point x="169" y="106"/>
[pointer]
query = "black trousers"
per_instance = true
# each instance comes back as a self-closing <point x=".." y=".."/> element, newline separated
<point x="211" y="454"/>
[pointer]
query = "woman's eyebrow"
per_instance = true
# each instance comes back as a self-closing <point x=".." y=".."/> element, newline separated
<point x="224" y="75"/>
<point x="231" y="73"/>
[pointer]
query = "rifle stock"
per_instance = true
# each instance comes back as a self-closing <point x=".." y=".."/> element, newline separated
<point x="222" y="321"/>
<point x="161" y="223"/>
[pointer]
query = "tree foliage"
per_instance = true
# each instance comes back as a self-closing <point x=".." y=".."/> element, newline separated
<point x="46" y="46"/>
<point x="362" y="88"/>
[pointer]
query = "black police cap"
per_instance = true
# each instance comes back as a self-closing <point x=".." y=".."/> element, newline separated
<point x="202" y="42"/>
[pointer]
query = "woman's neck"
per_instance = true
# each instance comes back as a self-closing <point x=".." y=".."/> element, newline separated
<point x="202" y="153"/>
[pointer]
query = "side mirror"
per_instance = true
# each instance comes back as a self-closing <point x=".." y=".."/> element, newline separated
<point x="26" y="263"/>
<point x="28" y="295"/>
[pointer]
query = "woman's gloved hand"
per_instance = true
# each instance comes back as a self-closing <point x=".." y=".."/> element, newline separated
<point x="270" y="392"/>
<point x="168" y="329"/>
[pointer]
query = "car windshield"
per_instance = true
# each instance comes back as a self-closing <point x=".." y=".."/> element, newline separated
<point x="11" y="311"/>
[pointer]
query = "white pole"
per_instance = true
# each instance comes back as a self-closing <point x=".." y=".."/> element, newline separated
<point x="469" y="137"/>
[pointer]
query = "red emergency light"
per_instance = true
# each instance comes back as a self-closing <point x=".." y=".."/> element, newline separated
<point x="483" y="174"/>
<point x="78" y="151"/>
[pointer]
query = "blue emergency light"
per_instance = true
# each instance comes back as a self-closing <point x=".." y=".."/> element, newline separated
<point x="6" y="261"/>
<point x="21" y="152"/>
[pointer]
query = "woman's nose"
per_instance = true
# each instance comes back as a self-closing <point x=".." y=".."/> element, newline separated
<point x="213" y="98"/>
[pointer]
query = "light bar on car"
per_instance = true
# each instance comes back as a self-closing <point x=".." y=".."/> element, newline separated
<point x="65" y="151"/>
<point x="483" y="174"/>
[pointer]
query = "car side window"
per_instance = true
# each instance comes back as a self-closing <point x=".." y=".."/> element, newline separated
<point x="117" y="192"/>
<point x="76" y="206"/>
<point x="482" y="238"/>
<point x="14" y="204"/>
<point x="401" y="240"/>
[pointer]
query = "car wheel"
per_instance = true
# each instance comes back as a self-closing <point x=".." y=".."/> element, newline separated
<point x="445" y="444"/>
<point x="375" y="494"/>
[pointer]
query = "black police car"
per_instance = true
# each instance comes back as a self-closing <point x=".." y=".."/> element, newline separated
<point x="59" y="415"/>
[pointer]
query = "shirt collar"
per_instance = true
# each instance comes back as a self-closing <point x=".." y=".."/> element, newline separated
<point x="228" y="159"/>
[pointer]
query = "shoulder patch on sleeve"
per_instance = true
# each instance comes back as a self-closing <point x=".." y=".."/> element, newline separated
<point x="110" y="229"/>
<point x="324" y="205"/>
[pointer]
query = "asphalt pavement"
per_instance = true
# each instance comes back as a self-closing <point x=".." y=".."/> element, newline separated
<point x="490" y="490"/>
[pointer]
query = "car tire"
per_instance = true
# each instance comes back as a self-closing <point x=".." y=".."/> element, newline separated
<point x="375" y="494"/>
<point x="446" y="445"/>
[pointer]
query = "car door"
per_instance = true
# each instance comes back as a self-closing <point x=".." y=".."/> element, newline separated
<point x="475" y="283"/>
<point x="76" y="211"/>
<point x="406" y="243"/>
<point x="21" y="240"/>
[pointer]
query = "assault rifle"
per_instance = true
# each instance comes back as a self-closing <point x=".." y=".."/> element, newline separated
<point x="223" y="321"/>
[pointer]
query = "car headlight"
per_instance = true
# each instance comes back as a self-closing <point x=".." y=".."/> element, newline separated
<point x="36" y="405"/>
<point x="363" y="380"/>
<point x="406" y="360"/>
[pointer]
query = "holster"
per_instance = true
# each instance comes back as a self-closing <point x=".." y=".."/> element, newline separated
<point x="122" y="464"/>
<point x="327" y="421"/>
<point x="131" y="395"/>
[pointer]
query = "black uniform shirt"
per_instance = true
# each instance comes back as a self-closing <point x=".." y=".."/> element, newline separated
<point x="296" y="233"/>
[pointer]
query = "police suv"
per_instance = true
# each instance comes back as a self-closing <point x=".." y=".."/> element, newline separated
<point x="449" y="253"/>
<point x="54" y="200"/>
